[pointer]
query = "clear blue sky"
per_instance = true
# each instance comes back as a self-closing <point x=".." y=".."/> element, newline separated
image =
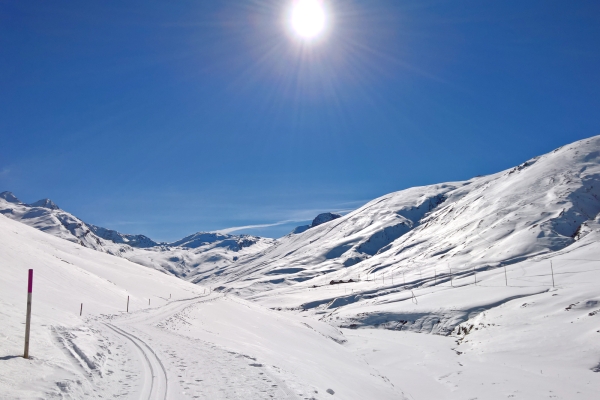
<point x="167" y="118"/>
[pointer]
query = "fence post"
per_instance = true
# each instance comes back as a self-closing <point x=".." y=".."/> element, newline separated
<point x="127" y="303"/>
<point x="475" y="275"/>
<point x="28" y="320"/>
<point x="505" y="276"/>
<point x="435" y="276"/>
<point x="451" y="280"/>
<point x="81" y="309"/>
<point x="552" y="269"/>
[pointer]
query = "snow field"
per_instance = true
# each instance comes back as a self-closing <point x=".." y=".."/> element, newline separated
<point x="195" y="345"/>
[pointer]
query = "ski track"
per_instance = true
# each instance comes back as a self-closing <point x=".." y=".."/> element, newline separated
<point x="203" y="370"/>
<point x="153" y="367"/>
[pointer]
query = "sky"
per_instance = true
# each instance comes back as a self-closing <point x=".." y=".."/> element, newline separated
<point x="167" y="118"/>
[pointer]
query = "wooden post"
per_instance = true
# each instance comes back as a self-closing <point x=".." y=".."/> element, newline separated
<point x="127" y="303"/>
<point x="451" y="280"/>
<point x="435" y="276"/>
<point x="148" y="301"/>
<point x="81" y="309"/>
<point x="505" y="276"/>
<point x="552" y="269"/>
<point x="28" y="319"/>
<point x="475" y="275"/>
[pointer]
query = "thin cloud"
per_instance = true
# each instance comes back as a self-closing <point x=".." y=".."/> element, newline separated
<point x="239" y="228"/>
<point x="287" y="221"/>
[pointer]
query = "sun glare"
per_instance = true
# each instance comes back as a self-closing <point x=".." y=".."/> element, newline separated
<point x="308" y="18"/>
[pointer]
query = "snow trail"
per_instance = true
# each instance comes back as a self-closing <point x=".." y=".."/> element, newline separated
<point x="154" y="367"/>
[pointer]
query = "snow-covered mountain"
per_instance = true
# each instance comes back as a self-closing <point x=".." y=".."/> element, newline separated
<point x="518" y="318"/>
<point x="536" y="208"/>
<point x="201" y="254"/>
<point x="138" y="241"/>
<point x="46" y="216"/>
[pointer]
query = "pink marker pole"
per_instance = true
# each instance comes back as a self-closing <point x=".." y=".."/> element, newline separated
<point x="28" y="321"/>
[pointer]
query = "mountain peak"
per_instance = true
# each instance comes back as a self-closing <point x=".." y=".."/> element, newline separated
<point x="11" y="198"/>
<point x="45" y="203"/>
<point x="324" y="217"/>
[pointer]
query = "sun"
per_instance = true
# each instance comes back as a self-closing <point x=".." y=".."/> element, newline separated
<point x="308" y="18"/>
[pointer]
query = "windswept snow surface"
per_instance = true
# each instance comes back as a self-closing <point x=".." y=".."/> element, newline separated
<point x="187" y="343"/>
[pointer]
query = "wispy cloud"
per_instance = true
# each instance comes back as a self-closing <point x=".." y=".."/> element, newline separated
<point x="310" y="214"/>
<point x="239" y="228"/>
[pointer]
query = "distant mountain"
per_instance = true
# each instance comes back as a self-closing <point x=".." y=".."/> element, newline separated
<point x="46" y="216"/>
<point x="138" y="241"/>
<point x="45" y="203"/>
<point x="319" y="220"/>
<point x="182" y="258"/>
<point x="9" y="198"/>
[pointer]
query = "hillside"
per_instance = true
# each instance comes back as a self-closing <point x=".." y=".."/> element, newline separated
<point x="178" y="341"/>
<point x="536" y="208"/>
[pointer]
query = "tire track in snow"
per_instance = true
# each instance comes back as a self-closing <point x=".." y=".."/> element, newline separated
<point x="154" y="366"/>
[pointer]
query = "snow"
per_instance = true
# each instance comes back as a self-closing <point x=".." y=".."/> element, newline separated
<point x="194" y="257"/>
<point x="205" y="345"/>
<point x="485" y="288"/>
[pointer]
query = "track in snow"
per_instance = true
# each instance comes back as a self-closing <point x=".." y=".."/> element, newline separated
<point x="154" y="370"/>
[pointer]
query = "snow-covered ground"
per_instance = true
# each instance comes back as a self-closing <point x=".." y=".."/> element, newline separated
<point x="482" y="289"/>
<point x="186" y="343"/>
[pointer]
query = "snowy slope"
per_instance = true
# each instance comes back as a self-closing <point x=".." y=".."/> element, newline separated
<point x="185" y="343"/>
<point x="530" y="210"/>
<point x="196" y="256"/>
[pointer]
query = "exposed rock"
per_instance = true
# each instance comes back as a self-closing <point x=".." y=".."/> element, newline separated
<point x="323" y="218"/>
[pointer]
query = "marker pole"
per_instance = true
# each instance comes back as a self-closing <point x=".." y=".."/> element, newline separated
<point x="552" y="269"/>
<point x="81" y="310"/>
<point x="28" y="320"/>
<point x="127" y="303"/>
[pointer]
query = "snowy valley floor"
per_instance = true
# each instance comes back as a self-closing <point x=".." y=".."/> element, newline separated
<point x="528" y="340"/>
